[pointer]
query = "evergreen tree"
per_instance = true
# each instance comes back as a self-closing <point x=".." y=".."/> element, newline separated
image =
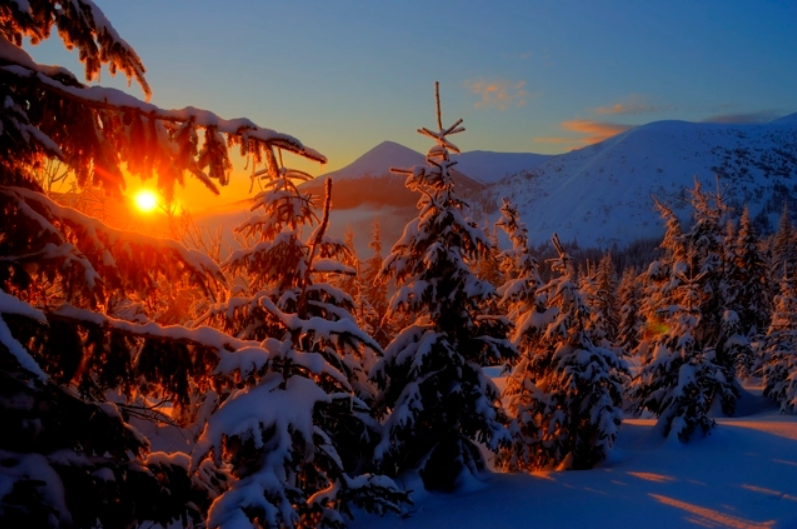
<point x="79" y="298"/>
<point x="82" y="352"/>
<point x="660" y="280"/>
<point x="744" y="294"/>
<point x="630" y="324"/>
<point x="375" y="290"/>
<point x="525" y="304"/>
<point x="602" y="303"/>
<point x="439" y="402"/>
<point x="779" y="348"/>
<point x="489" y="265"/>
<point x="568" y="413"/>
<point x="691" y="362"/>
<point x="299" y="431"/>
<point x="784" y="256"/>
<point x="753" y="295"/>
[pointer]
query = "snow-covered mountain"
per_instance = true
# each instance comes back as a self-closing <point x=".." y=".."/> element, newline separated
<point x="601" y="194"/>
<point x="490" y="167"/>
<point x="486" y="167"/>
<point x="378" y="161"/>
<point x="368" y="180"/>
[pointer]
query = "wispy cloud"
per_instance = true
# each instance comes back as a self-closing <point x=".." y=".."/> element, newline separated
<point x="761" y="116"/>
<point x="632" y="104"/>
<point x="590" y="131"/>
<point x="498" y="93"/>
<point x="558" y="139"/>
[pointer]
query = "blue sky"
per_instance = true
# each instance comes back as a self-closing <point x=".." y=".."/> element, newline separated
<point x="533" y="76"/>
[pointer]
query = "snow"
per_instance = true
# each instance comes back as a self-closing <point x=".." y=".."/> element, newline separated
<point x="743" y="475"/>
<point x="377" y="161"/>
<point x="601" y="194"/>
<point x="203" y="335"/>
<point x="490" y="167"/>
<point x="11" y="305"/>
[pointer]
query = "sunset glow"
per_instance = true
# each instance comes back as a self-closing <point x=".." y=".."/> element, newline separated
<point x="146" y="201"/>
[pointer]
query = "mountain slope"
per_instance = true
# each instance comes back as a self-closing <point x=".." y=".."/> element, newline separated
<point x="490" y="167"/>
<point x="368" y="180"/>
<point x="378" y="161"/>
<point x="601" y="194"/>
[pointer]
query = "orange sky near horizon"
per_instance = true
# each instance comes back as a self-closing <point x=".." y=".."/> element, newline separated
<point x="199" y="200"/>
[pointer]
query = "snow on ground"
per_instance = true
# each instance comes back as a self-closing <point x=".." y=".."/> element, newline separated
<point x="743" y="476"/>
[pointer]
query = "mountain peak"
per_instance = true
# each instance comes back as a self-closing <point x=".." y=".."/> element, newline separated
<point x="378" y="160"/>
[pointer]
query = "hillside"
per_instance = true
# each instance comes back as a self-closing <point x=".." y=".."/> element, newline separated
<point x="368" y="181"/>
<point x="490" y="167"/>
<point x="601" y="194"/>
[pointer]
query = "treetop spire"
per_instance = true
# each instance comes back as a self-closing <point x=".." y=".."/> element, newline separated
<point x="440" y="136"/>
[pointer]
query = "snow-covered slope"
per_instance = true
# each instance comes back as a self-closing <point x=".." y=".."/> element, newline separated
<point x="378" y="161"/>
<point x="743" y="475"/>
<point x="489" y="167"/>
<point x="601" y="194"/>
<point x="486" y="167"/>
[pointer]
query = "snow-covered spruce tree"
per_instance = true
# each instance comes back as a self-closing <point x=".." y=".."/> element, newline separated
<point x="744" y="294"/>
<point x="375" y="290"/>
<point x="779" y="349"/>
<point x="438" y="401"/>
<point x="525" y="305"/>
<point x="602" y="303"/>
<point x="659" y="281"/>
<point x="488" y="266"/>
<point x="296" y="428"/>
<point x="521" y="297"/>
<point x="691" y="360"/>
<point x="784" y="255"/>
<point x="753" y="295"/>
<point x="629" y="299"/>
<point x="575" y="386"/>
<point x="69" y="457"/>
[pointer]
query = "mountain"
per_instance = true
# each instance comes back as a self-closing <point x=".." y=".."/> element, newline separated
<point x="486" y="167"/>
<point x="601" y="194"/>
<point x="378" y="161"/>
<point x="490" y="167"/>
<point x="368" y="181"/>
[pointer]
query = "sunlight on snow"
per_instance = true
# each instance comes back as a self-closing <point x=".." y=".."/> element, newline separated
<point x="710" y="517"/>
<point x="770" y="492"/>
<point x="650" y="476"/>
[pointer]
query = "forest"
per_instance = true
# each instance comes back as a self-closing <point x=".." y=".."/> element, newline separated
<point x="296" y="381"/>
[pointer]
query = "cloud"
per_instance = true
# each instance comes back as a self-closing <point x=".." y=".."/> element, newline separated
<point x="762" y="116"/>
<point x="558" y="139"/>
<point x="633" y="104"/>
<point x="596" y="131"/>
<point x="498" y="93"/>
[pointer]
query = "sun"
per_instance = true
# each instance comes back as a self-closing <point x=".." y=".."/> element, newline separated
<point x="146" y="201"/>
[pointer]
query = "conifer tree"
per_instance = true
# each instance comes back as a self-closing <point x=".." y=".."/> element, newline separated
<point x="489" y="266"/>
<point x="660" y="280"/>
<point x="630" y="324"/>
<point x="440" y="403"/>
<point x="691" y="362"/>
<point x="298" y="434"/>
<point x="68" y="282"/>
<point x="375" y="290"/>
<point x="525" y="304"/>
<point x="779" y="349"/>
<point x="753" y="295"/>
<point x="784" y="256"/>
<point x="602" y="302"/>
<point x="568" y="413"/>
<point x="77" y="299"/>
